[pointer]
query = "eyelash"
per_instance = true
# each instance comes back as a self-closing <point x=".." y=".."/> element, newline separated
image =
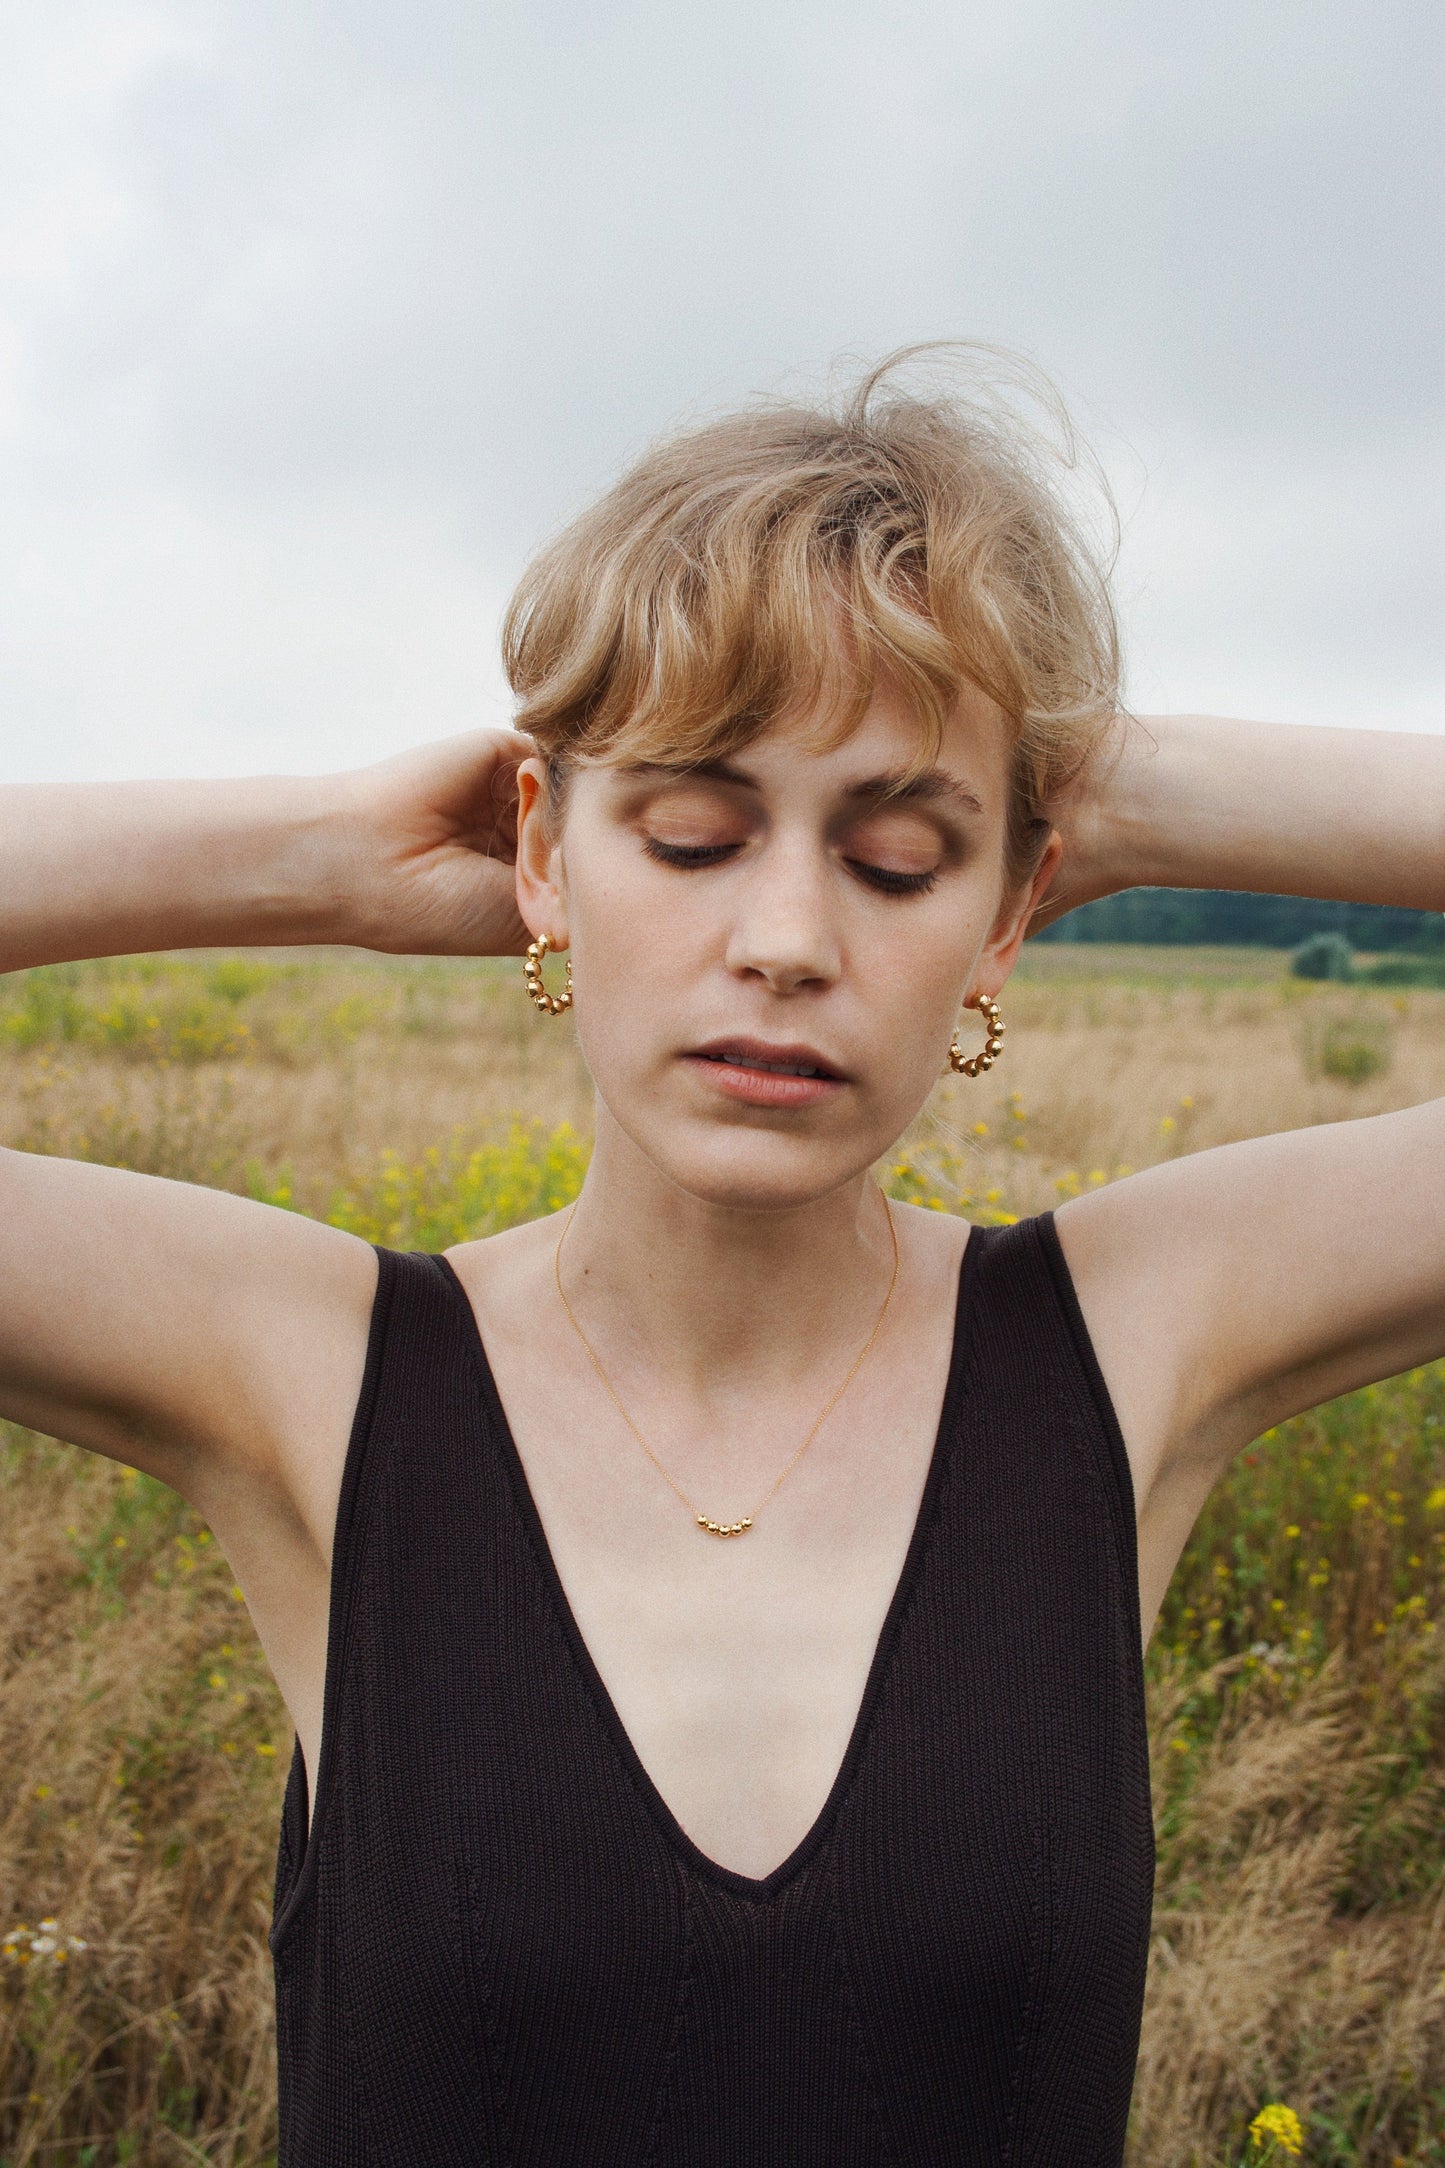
<point x="889" y="883"/>
<point x="691" y="856"/>
<point x="687" y="854"/>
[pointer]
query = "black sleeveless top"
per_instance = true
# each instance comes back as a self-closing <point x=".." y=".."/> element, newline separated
<point x="497" y="1945"/>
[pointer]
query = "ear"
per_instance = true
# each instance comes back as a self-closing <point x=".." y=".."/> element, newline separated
<point x="541" y="886"/>
<point x="1000" y="952"/>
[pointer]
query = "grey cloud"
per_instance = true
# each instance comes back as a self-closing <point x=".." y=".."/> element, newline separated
<point x="321" y="314"/>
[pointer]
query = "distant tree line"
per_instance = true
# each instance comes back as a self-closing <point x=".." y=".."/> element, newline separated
<point x="1196" y="917"/>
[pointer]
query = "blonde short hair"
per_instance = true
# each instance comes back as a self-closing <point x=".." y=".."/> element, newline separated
<point x="786" y="553"/>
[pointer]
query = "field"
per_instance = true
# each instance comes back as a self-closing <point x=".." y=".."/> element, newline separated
<point x="1297" y="1676"/>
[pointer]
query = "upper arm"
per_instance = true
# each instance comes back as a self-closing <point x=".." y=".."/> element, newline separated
<point x="213" y="1342"/>
<point x="1231" y="1289"/>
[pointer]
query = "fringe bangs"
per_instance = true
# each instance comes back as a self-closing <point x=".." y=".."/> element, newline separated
<point x="785" y="559"/>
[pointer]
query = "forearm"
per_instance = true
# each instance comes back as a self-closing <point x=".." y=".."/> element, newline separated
<point x="1355" y="816"/>
<point x="110" y="869"/>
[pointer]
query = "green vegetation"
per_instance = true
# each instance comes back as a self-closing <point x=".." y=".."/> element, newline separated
<point x="1190" y="917"/>
<point x="1329" y="956"/>
<point x="1324" y="956"/>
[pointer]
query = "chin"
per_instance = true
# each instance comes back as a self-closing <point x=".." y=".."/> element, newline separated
<point x="758" y="1189"/>
<point x="743" y="1169"/>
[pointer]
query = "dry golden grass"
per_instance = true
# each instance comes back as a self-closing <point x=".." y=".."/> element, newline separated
<point x="1297" y="1677"/>
<point x="142" y="1742"/>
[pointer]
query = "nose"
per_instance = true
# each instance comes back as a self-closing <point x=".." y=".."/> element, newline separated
<point x="785" y="928"/>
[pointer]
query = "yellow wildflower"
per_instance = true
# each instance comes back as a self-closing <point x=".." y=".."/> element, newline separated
<point x="1278" y="2125"/>
<point x="1435" y="1503"/>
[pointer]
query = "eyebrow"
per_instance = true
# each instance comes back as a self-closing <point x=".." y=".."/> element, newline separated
<point x="933" y="787"/>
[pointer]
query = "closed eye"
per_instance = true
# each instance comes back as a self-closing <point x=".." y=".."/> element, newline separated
<point x="891" y="883"/>
<point x="885" y="879"/>
<point x="688" y="854"/>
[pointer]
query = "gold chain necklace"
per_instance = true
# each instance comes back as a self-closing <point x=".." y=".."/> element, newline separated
<point x="741" y="1527"/>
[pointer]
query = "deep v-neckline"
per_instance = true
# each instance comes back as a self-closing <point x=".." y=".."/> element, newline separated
<point x="526" y="1505"/>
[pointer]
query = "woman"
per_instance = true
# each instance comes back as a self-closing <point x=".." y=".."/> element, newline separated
<point x="712" y="1618"/>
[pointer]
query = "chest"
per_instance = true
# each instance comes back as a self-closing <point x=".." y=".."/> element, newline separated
<point x="735" y="1667"/>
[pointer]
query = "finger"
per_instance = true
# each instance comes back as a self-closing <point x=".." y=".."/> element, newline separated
<point x="456" y="764"/>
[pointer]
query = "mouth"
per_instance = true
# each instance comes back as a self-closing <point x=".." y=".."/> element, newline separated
<point x="767" y="1075"/>
<point x="772" y="1060"/>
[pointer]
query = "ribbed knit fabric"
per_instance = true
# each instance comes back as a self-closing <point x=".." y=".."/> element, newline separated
<point x="497" y="1945"/>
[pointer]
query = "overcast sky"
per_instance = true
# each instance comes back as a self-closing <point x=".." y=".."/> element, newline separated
<point x="317" y="315"/>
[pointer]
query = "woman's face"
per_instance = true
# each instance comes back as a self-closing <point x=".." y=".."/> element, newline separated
<point x="770" y="954"/>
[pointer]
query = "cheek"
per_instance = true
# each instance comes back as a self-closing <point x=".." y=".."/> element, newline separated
<point x="909" y="992"/>
<point x="635" y="956"/>
<point x="916" y="1044"/>
<point x="921" y="954"/>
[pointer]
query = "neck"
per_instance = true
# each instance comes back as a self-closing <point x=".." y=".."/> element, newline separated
<point x="720" y="1295"/>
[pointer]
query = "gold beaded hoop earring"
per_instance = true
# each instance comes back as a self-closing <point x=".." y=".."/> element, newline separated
<point x="549" y="1004"/>
<point x="975" y="1064"/>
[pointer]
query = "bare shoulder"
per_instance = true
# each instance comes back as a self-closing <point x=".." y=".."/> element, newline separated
<point x="210" y="1340"/>
<point x="1233" y="1288"/>
<point x="508" y="1276"/>
<point x="930" y="1246"/>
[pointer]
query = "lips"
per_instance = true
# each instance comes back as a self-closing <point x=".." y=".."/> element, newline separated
<point x="758" y="1055"/>
<point x="757" y="1073"/>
